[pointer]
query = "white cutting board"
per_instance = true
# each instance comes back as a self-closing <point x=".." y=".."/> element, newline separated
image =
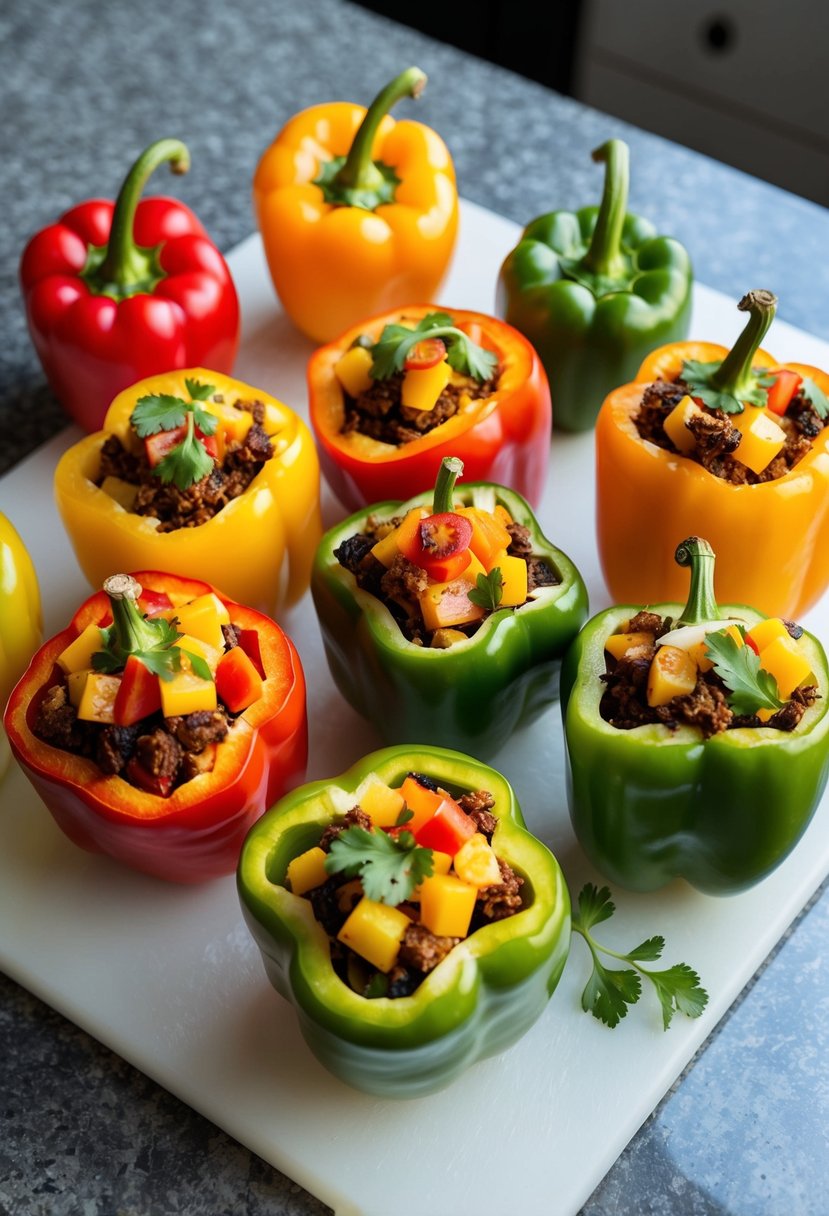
<point x="169" y="978"/>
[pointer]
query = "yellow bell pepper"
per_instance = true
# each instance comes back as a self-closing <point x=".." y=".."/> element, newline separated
<point x="245" y="548"/>
<point x="20" y="619"/>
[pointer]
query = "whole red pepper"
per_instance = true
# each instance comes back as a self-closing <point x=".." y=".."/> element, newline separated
<point x="118" y="291"/>
<point x="197" y="831"/>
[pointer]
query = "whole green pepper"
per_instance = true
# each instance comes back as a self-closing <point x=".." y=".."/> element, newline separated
<point x="654" y="803"/>
<point x="478" y="1001"/>
<point x="473" y="695"/>
<point x="595" y="291"/>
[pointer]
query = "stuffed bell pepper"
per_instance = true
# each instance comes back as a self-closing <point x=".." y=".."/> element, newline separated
<point x="409" y="916"/>
<point x="595" y="291"/>
<point x="200" y="475"/>
<point x="161" y="723"/>
<point x="697" y="738"/>
<point x="358" y="213"/>
<point x="394" y="395"/>
<point x="445" y="618"/>
<point x="727" y="444"/>
<point x="118" y="291"/>
<point x="20" y="617"/>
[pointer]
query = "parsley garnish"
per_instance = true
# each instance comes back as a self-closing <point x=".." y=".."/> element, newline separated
<point x="159" y="654"/>
<point x="698" y="376"/>
<point x="749" y="687"/>
<point x="464" y="355"/>
<point x="488" y="590"/>
<point x="389" y="867"/>
<point x="609" y="991"/>
<point x="188" y="462"/>
<point x="816" y="396"/>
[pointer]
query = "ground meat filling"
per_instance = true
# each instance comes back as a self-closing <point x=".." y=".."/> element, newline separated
<point x="717" y="440"/>
<point x="380" y="414"/>
<point x="624" y="701"/>
<point x="175" y="508"/>
<point x="400" y="584"/>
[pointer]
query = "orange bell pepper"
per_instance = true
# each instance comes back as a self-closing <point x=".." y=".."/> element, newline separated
<point x="358" y="213"/>
<point x="772" y="538"/>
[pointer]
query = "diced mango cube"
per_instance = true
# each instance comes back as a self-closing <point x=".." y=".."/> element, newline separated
<point x="203" y="618"/>
<point x="446" y="905"/>
<point x="375" y="931"/>
<point x="75" y="683"/>
<point x="476" y="863"/>
<point x="353" y="370"/>
<point x="381" y="803"/>
<point x="675" y="425"/>
<point x="766" y="631"/>
<point x="442" y="639"/>
<point x="422" y="387"/>
<point x="97" y="701"/>
<point x="513" y="581"/>
<point x="78" y="654"/>
<point x="307" y="871"/>
<point x="698" y="653"/>
<point x="620" y="645"/>
<point x="673" y="673"/>
<point x="446" y="604"/>
<point x="501" y="513"/>
<point x="490" y="537"/>
<point x="186" y="693"/>
<point x="441" y="864"/>
<point x="786" y="662"/>
<point x="762" y="438"/>
<point x="389" y="546"/>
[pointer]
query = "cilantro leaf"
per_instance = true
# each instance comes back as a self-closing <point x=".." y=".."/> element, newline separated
<point x="199" y="391"/>
<point x="815" y="394"/>
<point x="698" y="376"/>
<point x="186" y="463"/>
<point x="463" y="355"/>
<point x="189" y="461"/>
<point x="198" y="665"/>
<point x="158" y="412"/>
<point x="609" y="991"/>
<point x="488" y="590"/>
<point x="749" y="687"/>
<point x="389" y="867"/>
<point x="163" y="658"/>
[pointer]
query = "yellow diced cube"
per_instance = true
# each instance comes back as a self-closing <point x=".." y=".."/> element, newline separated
<point x="78" y="654"/>
<point x="381" y="803"/>
<point x="186" y="693"/>
<point x="375" y="931"/>
<point x="476" y="863"/>
<point x="307" y="871"/>
<point x="98" y="697"/>
<point x="673" y="673"/>
<point x="620" y="645"/>
<point x="786" y="662"/>
<point x="353" y="371"/>
<point x="203" y="618"/>
<point x="422" y="387"/>
<point x="697" y="652"/>
<point x="446" y="905"/>
<point x="766" y="631"/>
<point x="513" y="581"/>
<point x="188" y="643"/>
<point x="442" y="639"/>
<point x="762" y="438"/>
<point x="123" y="492"/>
<point x="675" y="425"/>
<point x="447" y="604"/>
<point x="75" y="683"/>
<point x="388" y="547"/>
<point x="441" y="864"/>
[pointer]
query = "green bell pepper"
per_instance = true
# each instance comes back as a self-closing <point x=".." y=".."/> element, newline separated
<point x="473" y="695"/>
<point x="478" y="1001"/>
<point x="595" y="291"/>
<point x="653" y="803"/>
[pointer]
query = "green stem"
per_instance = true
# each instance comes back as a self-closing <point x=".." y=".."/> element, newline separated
<point x="450" y="470"/>
<point x="604" y="255"/>
<point x="133" y="633"/>
<point x="702" y="606"/>
<point x="359" y="171"/>
<point x="124" y="263"/>
<point x="734" y="374"/>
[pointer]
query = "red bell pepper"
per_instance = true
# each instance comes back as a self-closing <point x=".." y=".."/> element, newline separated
<point x="238" y="683"/>
<point x="119" y="291"/>
<point x="447" y="830"/>
<point x="138" y="695"/>
<point x="195" y="833"/>
<point x="786" y="384"/>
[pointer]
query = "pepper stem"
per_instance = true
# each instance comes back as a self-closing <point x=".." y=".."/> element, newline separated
<point x="734" y="374"/>
<point x="133" y="633"/>
<point x="124" y="267"/>
<point x="604" y="254"/>
<point x="702" y="606"/>
<point x="450" y="470"/>
<point x="359" y="171"/>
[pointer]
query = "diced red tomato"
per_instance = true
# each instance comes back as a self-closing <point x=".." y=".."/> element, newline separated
<point x="138" y="695"/>
<point x="238" y="683"/>
<point x="425" y="354"/>
<point x="248" y="640"/>
<point x="784" y="388"/>
<point x="422" y="802"/>
<point x="160" y="445"/>
<point x="153" y="602"/>
<point x="439" y="544"/>
<point x="447" y="830"/>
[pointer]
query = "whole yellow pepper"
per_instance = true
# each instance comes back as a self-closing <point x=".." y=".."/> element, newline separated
<point x="20" y="619"/>
<point x="358" y="213"/>
<point x="257" y="549"/>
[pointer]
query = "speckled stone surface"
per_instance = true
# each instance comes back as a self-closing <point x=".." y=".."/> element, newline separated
<point x="84" y="87"/>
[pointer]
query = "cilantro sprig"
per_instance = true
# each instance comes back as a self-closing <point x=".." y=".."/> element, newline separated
<point x="189" y="461"/>
<point x="749" y="687"/>
<point x="463" y="355"/>
<point x="150" y="639"/>
<point x="389" y="867"/>
<point x="813" y="393"/>
<point x="699" y="376"/>
<point x="609" y="992"/>
<point x="488" y="590"/>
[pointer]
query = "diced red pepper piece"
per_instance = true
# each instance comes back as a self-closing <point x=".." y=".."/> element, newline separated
<point x="153" y="602"/>
<point x="420" y="800"/>
<point x="160" y="445"/>
<point x="145" y="780"/>
<point x="447" y="830"/>
<point x="784" y="388"/>
<point x="425" y="354"/>
<point x="248" y="640"/>
<point x="238" y="683"/>
<point x="138" y="696"/>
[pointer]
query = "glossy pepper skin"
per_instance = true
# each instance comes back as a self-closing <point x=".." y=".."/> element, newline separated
<point x="358" y="213"/>
<point x="594" y="291"/>
<point x="771" y="539"/>
<point x="196" y="833"/>
<point x="471" y="696"/>
<point x="650" y="804"/>
<point x="118" y="291"/>
<point x="20" y="617"/>
<point x="502" y="438"/>
<point x="244" y="549"/>
<point x="480" y="1000"/>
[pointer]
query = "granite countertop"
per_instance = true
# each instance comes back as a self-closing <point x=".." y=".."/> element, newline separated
<point x="84" y="88"/>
